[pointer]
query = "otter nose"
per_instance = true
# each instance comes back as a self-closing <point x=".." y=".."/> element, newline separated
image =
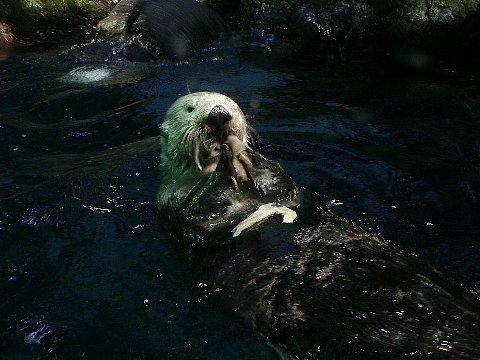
<point x="218" y="117"/>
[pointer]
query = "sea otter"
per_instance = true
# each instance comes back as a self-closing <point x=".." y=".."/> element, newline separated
<point x="319" y="287"/>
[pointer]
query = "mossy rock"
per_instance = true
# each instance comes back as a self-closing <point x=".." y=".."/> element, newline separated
<point x="114" y="24"/>
<point x="55" y="12"/>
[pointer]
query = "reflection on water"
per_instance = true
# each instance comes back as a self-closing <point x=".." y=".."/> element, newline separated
<point x="85" y="269"/>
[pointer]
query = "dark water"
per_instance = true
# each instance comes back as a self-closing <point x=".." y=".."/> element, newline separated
<point x="85" y="269"/>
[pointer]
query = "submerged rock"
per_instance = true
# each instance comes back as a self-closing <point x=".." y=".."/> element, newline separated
<point x="105" y="75"/>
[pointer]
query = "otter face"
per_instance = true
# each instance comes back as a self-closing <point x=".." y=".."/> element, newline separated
<point x="198" y="127"/>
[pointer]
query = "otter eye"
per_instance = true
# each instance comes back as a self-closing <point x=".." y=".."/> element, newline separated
<point x="190" y="109"/>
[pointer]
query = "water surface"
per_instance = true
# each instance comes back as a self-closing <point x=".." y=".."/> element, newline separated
<point x="86" y="271"/>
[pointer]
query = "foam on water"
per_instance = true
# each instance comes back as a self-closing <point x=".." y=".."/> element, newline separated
<point x="87" y="74"/>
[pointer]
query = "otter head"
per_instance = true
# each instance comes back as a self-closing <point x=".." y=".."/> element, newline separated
<point x="198" y="128"/>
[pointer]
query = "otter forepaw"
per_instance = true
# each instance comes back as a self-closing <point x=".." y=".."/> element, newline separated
<point x="245" y="160"/>
<point x="240" y="163"/>
<point x="238" y="170"/>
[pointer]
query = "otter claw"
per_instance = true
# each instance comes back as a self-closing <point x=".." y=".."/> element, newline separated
<point x="234" y="181"/>
<point x="239" y="169"/>
<point x="243" y="157"/>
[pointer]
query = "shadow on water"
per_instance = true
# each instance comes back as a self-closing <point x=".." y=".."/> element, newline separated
<point x="85" y="269"/>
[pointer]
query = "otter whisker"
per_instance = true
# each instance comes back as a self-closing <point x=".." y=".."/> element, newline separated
<point x="186" y="138"/>
<point x="201" y="136"/>
<point x="190" y="138"/>
<point x="190" y="141"/>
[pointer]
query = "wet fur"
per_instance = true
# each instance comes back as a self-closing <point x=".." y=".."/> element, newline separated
<point x="321" y="287"/>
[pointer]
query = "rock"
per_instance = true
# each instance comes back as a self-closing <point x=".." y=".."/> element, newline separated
<point x="9" y="38"/>
<point x="114" y="24"/>
<point x="366" y="27"/>
<point x="175" y="28"/>
<point x="6" y="36"/>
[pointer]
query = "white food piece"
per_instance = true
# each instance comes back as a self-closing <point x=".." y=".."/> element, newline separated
<point x="264" y="212"/>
